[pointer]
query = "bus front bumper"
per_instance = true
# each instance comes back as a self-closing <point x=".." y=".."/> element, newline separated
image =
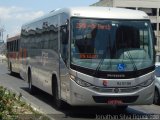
<point x="84" y="96"/>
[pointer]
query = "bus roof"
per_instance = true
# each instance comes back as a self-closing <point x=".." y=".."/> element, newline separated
<point x="98" y="12"/>
<point x="16" y="37"/>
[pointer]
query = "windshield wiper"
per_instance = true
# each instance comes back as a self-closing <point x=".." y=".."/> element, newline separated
<point x="130" y="57"/>
<point x="99" y="64"/>
<point x="98" y="67"/>
<point x="132" y="61"/>
<point x="102" y="59"/>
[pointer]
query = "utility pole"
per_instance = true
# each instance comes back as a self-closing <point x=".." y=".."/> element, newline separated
<point x="1" y="38"/>
<point x="1" y="34"/>
<point x="1" y="31"/>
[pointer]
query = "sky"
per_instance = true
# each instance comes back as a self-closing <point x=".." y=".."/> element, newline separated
<point x="14" y="13"/>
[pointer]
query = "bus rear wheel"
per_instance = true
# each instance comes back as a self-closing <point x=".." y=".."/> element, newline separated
<point x="32" y="89"/>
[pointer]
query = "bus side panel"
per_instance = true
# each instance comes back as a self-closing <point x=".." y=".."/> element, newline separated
<point x="41" y="44"/>
<point x="49" y="64"/>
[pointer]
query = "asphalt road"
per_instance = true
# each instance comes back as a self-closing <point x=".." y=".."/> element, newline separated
<point x="43" y="102"/>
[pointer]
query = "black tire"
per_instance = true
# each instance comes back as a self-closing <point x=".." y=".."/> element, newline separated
<point x="121" y="107"/>
<point x="59" y="104"/>
<point x="10" y="68"/>
<point x="156" y="100"/>
<point x="32" y="89"/>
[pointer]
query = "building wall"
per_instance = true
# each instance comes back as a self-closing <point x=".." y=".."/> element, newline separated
<point x="151" y="7"/>
<point x="137" y="3"/>
<point x="104" y="3"/>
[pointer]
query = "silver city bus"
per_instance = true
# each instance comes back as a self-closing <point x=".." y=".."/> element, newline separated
<point x="90" y="56"/>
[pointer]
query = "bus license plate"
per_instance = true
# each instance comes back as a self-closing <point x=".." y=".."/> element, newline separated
<point x="114" y="102"/>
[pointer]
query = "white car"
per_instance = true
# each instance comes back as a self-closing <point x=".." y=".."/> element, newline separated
<point x="157" y="84"/>
<point x="2" y="57"/>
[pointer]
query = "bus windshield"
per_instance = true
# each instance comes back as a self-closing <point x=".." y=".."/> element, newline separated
<point x="111" y="45"/>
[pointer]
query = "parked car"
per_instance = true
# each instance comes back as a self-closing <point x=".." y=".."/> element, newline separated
<point x="157" y="84"/>
<point x="2" y="58"/>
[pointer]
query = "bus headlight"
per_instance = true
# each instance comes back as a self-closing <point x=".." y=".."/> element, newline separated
<point x="80" y="81"/>
<point x="147" y="82"/>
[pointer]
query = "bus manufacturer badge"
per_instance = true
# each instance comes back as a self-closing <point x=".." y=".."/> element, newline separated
<point x="105" y="83"/>
<point x="121" y="67"/>
<point x="116" y="90"/>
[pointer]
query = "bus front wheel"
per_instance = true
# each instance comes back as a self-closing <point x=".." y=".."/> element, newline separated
<point x="156" y="97"/>
<point x="59" y="104"/>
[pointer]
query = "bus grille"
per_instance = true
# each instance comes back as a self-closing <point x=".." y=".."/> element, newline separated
<point x="112" y="90"/>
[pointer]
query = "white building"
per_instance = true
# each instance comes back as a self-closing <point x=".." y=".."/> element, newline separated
<point x="151" y="7"/>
